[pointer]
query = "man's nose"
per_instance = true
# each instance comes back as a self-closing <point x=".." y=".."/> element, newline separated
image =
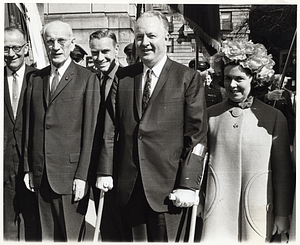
<point x="11" y="52"/>
<point x="56" y="45"/>
<point x="100" y="56"/>
<point x="145" y="40"/>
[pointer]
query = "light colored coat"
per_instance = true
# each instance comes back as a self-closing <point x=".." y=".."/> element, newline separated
<point x="249" y="153"/>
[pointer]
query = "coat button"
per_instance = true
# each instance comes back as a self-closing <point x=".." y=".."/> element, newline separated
<point x="16" y="129"/>
<point x="269" y="207"/>
<point x="140" y="137"/>
<point x="47" y="127"/>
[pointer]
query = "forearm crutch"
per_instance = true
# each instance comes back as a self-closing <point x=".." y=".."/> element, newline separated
<point x="99" y="215"/>
<point x="196" y="203"/>
<point x="172" y="197"/>
<point x="194" y="218"/>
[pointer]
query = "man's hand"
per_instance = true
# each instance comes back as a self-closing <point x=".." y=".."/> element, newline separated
<point x="28" y="180"/>
<point x="281" y="225"/>
<point x="78" y="189"/>
<point x="183" y="198"/>
<point x="104" y="183"/>
<point x="275" y="95"/>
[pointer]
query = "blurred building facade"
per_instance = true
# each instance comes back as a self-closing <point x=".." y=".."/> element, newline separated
<point x="85" y="18"/>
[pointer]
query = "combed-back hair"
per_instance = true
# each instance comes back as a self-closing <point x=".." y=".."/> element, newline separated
<point x="160" y="16"/>
<point x="104" y="33"/>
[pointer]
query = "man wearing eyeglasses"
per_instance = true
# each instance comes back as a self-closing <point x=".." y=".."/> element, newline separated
<point x="62" y="106"/>
<point x="20" y="213"/>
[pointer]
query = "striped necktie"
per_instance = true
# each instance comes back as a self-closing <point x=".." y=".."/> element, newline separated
<point x="55" y="82"/>
<point x="147" y="89"/>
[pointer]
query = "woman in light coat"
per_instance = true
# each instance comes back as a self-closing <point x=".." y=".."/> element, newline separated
<point x="250" y="181"/>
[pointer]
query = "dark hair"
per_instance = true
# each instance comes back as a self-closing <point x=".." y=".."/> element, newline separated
<point x="257" y="87"/>
<point x="106" y="33"/>
<point x="78" y="53"/>
<point x="12" y="29"/>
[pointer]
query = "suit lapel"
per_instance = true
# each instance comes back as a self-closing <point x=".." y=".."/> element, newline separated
<point x="138" y="91"/>
<point x="46" y="85"/>
<point x="23" y="88"/>
<point x="161" y="81"/>
<point x="66" y="78"/>
<point x="7" y="97"/>
<point x="109" y="81"/>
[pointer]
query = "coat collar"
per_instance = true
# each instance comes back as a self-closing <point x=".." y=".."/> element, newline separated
<point x="7" y="101"/>
<point x="161" y="81"/>
<point x="65" y="79"/>
<point x="138" y="88"/>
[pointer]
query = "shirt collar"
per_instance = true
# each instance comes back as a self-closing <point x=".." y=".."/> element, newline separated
<point x="19" y="72"/>
<point x="63" y="68"/>
<point x="158" y="67"/>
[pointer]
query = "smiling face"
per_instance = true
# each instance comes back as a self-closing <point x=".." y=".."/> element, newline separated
<point x="59" y="42"/>
<point x="104" y="52"/>
<point x="14" y="60"/>
<point x="237" y="82"/>
<point x="150" y="38"/>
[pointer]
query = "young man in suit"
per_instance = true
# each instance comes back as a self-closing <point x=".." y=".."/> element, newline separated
<point x="20" y="212"/>
<point x="104" y="49"/>
<point x="161" y="127"/>
<point x="61" y="114"/>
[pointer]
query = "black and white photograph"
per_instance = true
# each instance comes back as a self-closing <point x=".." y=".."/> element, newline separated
<point x="146" y="122"/>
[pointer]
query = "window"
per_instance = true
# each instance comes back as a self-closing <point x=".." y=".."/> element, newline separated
<point x="226" y="21"/>
<point x="170" y="45"/>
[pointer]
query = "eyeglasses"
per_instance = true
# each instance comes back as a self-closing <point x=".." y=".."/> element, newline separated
<point x="16" y="49"/>
<point x="60" y="41"/>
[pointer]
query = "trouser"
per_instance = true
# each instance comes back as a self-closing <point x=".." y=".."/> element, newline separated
<point x="62" y="219"/>
<point x="20" y="211"/>
<point x="151" y="226"/>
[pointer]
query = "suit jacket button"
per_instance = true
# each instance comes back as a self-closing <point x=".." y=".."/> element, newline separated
<point x="16" y="129"/>
<point x="140" y="137"/>
<point x="47" y="127"/>
<point x="269" y="207"/>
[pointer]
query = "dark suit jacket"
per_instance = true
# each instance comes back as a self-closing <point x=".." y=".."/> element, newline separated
<point x="60" y="130"/>
<point x="13" y="128"/>
<point x="159" y="143"/>
<point x="105" y="107"/>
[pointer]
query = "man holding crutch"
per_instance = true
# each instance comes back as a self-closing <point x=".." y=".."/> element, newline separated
<point x="161" y="126"/>
<point x="104" y="49"/>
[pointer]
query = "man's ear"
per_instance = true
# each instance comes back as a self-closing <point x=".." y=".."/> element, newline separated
<point x="26" y="49"/>
<point x="72" y="43"/>
<point x="167" y="37"/>
<point x="117" y="50"/>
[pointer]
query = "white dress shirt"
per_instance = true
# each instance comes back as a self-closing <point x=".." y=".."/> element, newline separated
<point x="61" y="70"/>
<point x="156" y="70"/>
<point x="19" y="78"/>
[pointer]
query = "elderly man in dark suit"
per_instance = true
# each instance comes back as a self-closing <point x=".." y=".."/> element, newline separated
<point x="17" y="199"/>
<point x="62" y="106"/>
<point x="161" y="127"/>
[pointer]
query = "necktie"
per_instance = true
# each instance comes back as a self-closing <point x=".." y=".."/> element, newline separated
<point x="102" y="87"/>
<point x="55" y="81"/>
<point x="15" y="94"/>
<point x="146" y="93"/>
